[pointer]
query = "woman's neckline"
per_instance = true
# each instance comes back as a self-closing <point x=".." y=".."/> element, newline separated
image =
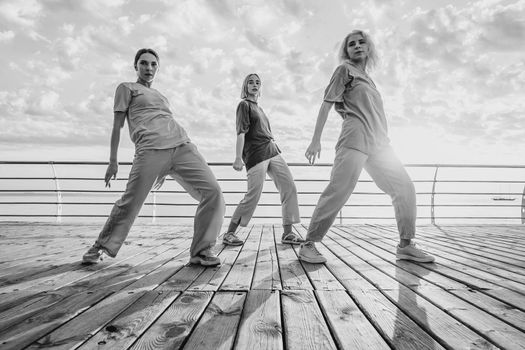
<point x="358" y="68"/>
<point x="144" y="84"/>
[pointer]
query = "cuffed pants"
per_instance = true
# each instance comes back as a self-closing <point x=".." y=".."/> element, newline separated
<point x="388" y="173"/>
<point x="186" y="165"/>
<point x="279" y="172"/>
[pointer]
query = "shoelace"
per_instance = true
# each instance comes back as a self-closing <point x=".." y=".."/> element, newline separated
<point x="313" y="248"/>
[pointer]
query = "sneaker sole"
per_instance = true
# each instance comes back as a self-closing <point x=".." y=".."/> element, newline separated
<point x="414" y="258"/>
<point x="232" y="243"/>
<point x="199" y="261"/>
<point x="312" y="261"/>
<point x="89" y="261"/>
<point x="291" y="242"/>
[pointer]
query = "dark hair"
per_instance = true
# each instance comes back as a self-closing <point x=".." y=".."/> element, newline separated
<point x="143" y="51"/>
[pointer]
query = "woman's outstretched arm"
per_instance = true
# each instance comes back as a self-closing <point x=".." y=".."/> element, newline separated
<point x="239" y="145"/>
<point x="118" y="123"/>
<point x="315" y="146"/>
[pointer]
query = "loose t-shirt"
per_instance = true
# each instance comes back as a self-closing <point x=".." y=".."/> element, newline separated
<point x="150" y="121"/>
<point x="258" y="138"/>
<point x="361" y="107"/>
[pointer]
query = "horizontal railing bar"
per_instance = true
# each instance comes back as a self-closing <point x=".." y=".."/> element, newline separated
<point x="273" y="204"/>
<point x="267" y="180"/>
<point x="411" y="165"/>
<point x="264" y="192"/>
<point x="261" y="217"/>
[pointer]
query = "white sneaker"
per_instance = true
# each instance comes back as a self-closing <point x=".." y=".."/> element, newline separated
<point x="309" y="253"/>
<point x="93" y="255"/>
<point x="291" y="238"/>
<point x="205" y="258"/>
<point x="230" y="238"/>
<point x="413" y="253"/>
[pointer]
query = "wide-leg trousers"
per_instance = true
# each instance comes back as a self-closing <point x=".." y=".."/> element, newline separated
<point x="186" y="165"/>
<point x="388" y="173"/>
<point x="279" y="172"/>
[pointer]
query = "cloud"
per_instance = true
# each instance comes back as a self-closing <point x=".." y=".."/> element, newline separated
<point x="7" y="36"/>
<point x="458" y="70"/>
<point x="205" y="58"/>
<point x="502" y="27"/>
<point x="21" y="12"/>
<point x="449" y="68"/>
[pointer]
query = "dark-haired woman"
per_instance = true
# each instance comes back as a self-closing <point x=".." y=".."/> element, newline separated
<point x="162" y="148"/>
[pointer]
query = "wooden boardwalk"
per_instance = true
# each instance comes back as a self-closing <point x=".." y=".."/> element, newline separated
<point x="262" y="297"/>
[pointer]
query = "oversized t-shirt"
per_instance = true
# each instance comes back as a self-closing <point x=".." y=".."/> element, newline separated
<point x="258" y="138"/>
<point x="361" y="107"/>
<point x="150" y="121"/>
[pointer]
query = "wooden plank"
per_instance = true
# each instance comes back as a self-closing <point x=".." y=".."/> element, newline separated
<point x="211" y="279"/>
<point x="241" y="274"/>
<point x="60" y="239"/>
<point x="503" y="310"/>
<point x="476" y="279"/>
<point x="74" y="271"/>
<point x="260" y="326"/>
<point x="400" y="330"/>
<point x="73" y="333"/>
<point x="292" y="272"/>
<point x="126" y="328"/>
<point x="498" y="332"/>
<point x="320" y="277"/>
<point x="34" y="328"/>
<point x="117" y="280"/>
<point x="184" y="277"/>
<point x="405" y="305"/>
<point x="504" y="241"/>
<point x="351" y="329"/>
<point x="304" y="325"/>
<point x="266" y="275"/>
<point x="170" y="330"/>
<point x="33" y="266"/>
<point x="484" y="247"/>
<point x="480" y="253"/>
<point x="82" y="327"/>
<point x="218" y="326"/>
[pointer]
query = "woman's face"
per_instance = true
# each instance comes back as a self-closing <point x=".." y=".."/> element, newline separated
<point x="147" y="67"/>
<point x="253" y="85"/>
<point x="357" y="47"/>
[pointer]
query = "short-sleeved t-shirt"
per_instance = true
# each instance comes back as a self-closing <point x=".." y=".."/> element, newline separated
<point x="150" y="121"/>
<point x="258" y="138"/>
<point x="361" y="107"/>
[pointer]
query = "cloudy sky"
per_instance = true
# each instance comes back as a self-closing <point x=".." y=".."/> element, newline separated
<point x="452" y="73"/>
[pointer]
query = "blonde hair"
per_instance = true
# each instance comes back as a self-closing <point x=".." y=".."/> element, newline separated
<point x="371" y="59"/>
<point x="244" y="92"/>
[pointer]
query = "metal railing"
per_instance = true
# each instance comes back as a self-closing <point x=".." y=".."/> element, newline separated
<point x="446" y="192"/>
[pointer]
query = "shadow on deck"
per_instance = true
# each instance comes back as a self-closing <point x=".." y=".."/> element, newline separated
<point x="262" y="297"/>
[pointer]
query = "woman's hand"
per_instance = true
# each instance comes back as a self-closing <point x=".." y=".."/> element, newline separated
<point x="238" y="164"/>
<point x="312" y="151"/>
<point x="111" y="172"/>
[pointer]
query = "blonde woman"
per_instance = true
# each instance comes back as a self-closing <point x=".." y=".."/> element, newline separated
<point x="256" y="149"/>
<point x="363" y="143"/>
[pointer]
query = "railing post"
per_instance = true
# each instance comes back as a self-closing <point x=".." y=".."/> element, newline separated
<point x="432" y="197"/>
<point x="523" y="206"/>
<point x="154" y="209"/>
<point x="59" y="194"/>
<point x="341" y="217"/>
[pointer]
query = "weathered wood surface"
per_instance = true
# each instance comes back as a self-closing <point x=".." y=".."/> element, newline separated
<point x="262" y="296"/>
